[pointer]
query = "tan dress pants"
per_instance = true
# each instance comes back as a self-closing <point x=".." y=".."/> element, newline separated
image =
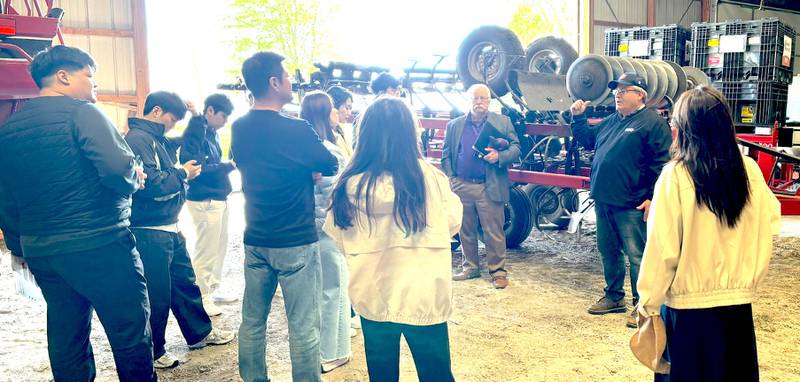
<point x="478" y="208"/>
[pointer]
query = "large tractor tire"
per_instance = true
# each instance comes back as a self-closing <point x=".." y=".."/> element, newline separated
<point x="550" y="55"/>
<point x="517" y="224"/>
<point x="487" y="55"/>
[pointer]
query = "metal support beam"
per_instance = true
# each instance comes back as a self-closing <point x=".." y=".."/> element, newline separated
<point x="705" y="13"/>
<point x="651" y="13"/>
<point x="97" y="32"/>
<point x="140" y="53"/>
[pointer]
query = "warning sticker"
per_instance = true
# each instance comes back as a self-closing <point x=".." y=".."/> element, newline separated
<point x="747" y="111"/>
<point x="622" y="48"/>
<point x="787" y="51"/>
<point x="713" y="42"/>
<point x="715" y="61"/>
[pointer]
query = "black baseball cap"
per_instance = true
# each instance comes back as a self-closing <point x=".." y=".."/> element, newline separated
<point x="629" y="79"/>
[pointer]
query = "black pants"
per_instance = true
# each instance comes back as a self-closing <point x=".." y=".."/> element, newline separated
<point x="429" y="345"/>
<point x="110" y="280"/>
<point x="711" y="345"/>
<point x="171" y="285"/>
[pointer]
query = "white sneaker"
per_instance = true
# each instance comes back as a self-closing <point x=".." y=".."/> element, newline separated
<point x="166" y="361"/>
<point x="224" y="298"/>
<point x="330" y="365"/>
<point x="216" y="337"/>
<point x="211" y="308"/>
<point x="355" y="322"/>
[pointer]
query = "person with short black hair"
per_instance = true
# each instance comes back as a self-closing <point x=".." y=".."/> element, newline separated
<point x="154" y="219"/>
<point x="65" y="203"/>
<point x="277" y="156"/>
<point x="206" y="199"/>
<point x="343" y="103"/>
<point x="385" y="83"/>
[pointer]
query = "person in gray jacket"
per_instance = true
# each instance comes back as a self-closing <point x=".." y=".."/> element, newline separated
<point x="481" y="181"/>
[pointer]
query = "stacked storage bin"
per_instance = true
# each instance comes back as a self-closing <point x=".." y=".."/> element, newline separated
<point x="752" y="63"/>
<point x="667" y="43"/>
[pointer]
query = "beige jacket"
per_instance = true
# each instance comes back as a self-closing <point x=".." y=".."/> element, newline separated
<point x="691" y="260"/>
<point x="394" y="278"/>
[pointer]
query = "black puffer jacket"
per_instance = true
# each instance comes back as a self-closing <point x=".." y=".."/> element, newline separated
<point x="66" y="180"/>
<point x="160" y="202"/>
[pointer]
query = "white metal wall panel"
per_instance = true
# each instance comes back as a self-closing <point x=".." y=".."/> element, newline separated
<point x="125" y="72"/>
<point x="670" y="12"/>
<point x="598" y="45"/>
<point x="627" y="11"/>
<point x="100" y="14"/>
<point x="118" y="114"/>
<point x="77" y="41"/>
<point x="121" y="12"/>
<point x="75" y="13"/>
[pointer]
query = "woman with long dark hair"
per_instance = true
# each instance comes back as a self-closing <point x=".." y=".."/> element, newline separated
<point x="334" y="345"/>
<point x="709" y="241"/>
<point x="392" y="215"/>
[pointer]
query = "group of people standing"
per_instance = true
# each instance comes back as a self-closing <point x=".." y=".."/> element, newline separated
<point x="366" y="224"/>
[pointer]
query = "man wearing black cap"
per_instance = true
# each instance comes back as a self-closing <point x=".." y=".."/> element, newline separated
<point x="630" y="146"/>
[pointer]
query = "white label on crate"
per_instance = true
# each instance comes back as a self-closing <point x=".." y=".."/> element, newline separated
<point x="658" y="45"/>
<point x="755" y="40"/>
<point x="733" y="44"/>
<point x="787" y="51"/>
<point x="763" y="130"/>
<point x="637" y="48"/>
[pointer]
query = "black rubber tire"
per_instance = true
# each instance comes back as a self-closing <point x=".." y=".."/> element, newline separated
<point x="518" y="218"/>
<point x="557" y="45"/>
<point x="511" y="57"/>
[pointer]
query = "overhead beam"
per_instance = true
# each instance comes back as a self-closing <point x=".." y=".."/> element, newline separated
<point x="97" y="32"/>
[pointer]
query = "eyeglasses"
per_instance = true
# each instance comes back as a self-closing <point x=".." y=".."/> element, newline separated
<point x="623" y="91"/>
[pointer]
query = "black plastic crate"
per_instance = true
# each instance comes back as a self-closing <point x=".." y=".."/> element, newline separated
<point x="755" y="103"/>
<point x="758" y="50"/>
<point x="668" y="42"/>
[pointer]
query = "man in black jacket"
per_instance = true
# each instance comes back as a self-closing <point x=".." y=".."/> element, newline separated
<point x="64" y="206"/>
<point x="631" y="146"/>
<point x="207" y="198"/>
<point x="154" y="219"/>
<point x="277" y="155"/>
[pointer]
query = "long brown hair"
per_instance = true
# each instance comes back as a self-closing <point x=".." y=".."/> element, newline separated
<point x="706" y="145"/>
<point x="316" y="109"/>
<point x="387" y="145"/>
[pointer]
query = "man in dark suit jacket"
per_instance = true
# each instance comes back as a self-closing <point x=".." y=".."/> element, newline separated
<point x="481" y="181"/>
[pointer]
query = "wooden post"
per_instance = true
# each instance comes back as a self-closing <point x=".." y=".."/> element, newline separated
<point x="140" y="61"/>
<point x="651" y="13"/>
<point x="705" y="13"/>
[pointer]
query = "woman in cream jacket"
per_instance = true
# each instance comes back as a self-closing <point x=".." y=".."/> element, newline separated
<point x="392" y="215"/>
<point x="709" y="241"/>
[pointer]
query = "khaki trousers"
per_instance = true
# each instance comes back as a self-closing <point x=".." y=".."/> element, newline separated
<point x="478" y="208"/>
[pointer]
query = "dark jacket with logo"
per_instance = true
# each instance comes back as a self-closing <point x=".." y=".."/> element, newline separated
<point x="160" y="202"/>
<point x="67" y="178"/>
<point x="629" y="154"/>
<point x="201" y="143"/>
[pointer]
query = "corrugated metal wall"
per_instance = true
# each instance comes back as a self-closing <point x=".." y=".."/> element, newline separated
<point x="671" y="11"/>
<point x="632" y="12"/>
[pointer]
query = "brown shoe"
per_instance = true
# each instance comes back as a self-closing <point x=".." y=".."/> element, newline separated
<point x="605" y="305"/>
<point x="466" y="275"/>
<point x="500" y="282"/>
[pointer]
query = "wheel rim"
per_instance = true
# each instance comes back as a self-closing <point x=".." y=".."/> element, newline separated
<point x="478" y="57"/>
<point x="545" y="61"/>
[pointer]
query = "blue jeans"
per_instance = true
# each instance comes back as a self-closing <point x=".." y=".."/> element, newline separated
<point x="334" y="340"/>
<point x="621" y="233"/>
<point x="298" y="271"/>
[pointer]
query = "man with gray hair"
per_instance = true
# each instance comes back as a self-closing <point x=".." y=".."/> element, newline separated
<point x="630" y="146"/>
<point x="479" y="176"/>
